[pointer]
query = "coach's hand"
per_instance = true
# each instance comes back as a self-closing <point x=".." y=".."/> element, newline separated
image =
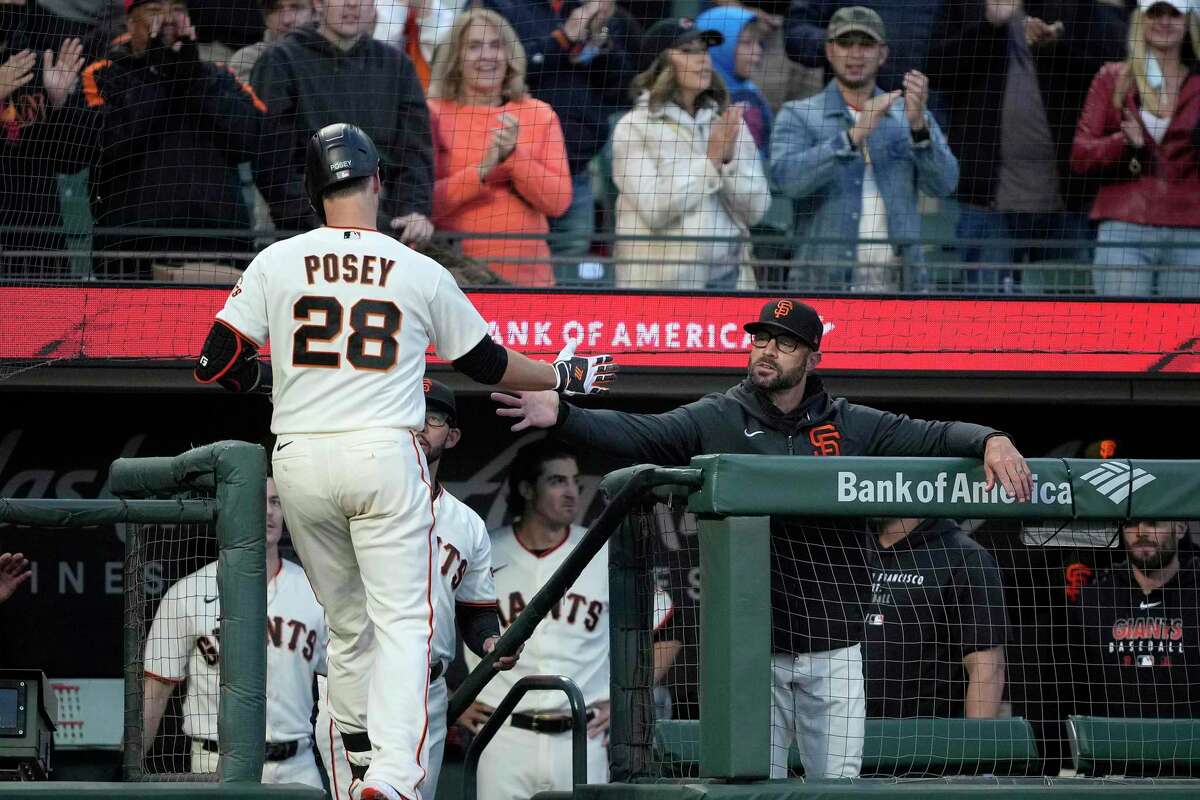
<point x="583" y="374"/>
<point x="531" y="409"/>
<point x="1002" y="462"/>
<point x="476" y="714"/>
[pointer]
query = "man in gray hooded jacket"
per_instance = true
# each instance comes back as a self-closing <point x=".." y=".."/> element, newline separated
<point x="819" y="579"/>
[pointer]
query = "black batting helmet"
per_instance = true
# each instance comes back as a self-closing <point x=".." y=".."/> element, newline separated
<point x="337" y="153"/>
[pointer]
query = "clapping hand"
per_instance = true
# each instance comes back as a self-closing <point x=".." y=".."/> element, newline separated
<point x="872" y="112"/>
<point x="916" y="95"/>
<point x="14" y="571"/>
<point x="722" y="138"/>
<point x="60" y="76"/>
<point x="16" y="72"/>
<point x="501" y="145"/>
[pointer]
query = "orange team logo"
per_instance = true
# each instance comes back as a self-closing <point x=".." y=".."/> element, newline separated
<point x="579" y="373"/>
<point x="1077" y="578"/>
<point x="426" y="384"/>
<point x="826" y="440"/>
<point x="783" y="308"/>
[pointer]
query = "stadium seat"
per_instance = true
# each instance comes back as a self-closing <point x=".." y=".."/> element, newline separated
<point x="1141" y="747"/>
<point x="917" y="746"/>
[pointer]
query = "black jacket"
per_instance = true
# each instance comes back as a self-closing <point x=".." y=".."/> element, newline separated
<point x="307" y="83"/>
<point x="819" y="576"/>
<point x="968" y="64"/>
<point x="583" y="95"/>
<point x="937" y="596"/>
<point x="1138" y="654"/>
<point x="164" y="137"/>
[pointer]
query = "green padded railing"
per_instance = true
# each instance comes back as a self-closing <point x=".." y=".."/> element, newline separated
<point x="1108" y="745"/>
<point x="900" y="747"/>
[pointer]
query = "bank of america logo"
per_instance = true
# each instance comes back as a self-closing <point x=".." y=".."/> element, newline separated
<point x="1116" y="481"/>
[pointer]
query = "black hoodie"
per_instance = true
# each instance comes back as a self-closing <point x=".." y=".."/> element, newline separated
<point x="936" y="596"/>
<point x="307" y="83"/>
<point x="819" y="568"/>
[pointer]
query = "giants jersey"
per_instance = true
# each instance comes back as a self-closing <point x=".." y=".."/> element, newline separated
<point x="464" y="564"/>
<point x="573" y="638"/>
<point x="350" y="314"/>
<point x="184" y="644"/>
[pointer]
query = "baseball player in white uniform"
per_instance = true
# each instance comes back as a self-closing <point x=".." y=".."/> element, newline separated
<point x="184" y="645"/>
<point x="532" y="753"/>
<point x="464" y="595"/>
<point x="350" y="314"/>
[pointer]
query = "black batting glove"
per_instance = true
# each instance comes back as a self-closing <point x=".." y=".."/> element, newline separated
<point x="583" y="374"/>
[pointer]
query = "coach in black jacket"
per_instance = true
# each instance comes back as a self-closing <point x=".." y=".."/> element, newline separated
<point x="335" y="72"/>
<point x="818" y="581"/>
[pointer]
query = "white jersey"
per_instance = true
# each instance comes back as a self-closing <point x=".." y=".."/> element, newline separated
<point x="573" y="638"/>
<point x="464" y="561"/>
<point x="350" y="314"/>
<point x="184" y="644"/>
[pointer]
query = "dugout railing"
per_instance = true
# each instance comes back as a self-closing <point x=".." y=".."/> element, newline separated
<point x="220" y="486"/>
<point x="726" y="753"/>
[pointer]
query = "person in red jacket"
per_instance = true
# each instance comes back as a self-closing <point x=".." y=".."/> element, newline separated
<point x="1137" y="127"/>
<point x="500" y="163"/>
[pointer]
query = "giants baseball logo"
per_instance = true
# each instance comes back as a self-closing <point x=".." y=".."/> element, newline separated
<point x="783" y="308"/>
<point x="577" y="608"/>
<point x="1077" y="578"/>
<point x="826" y="440"/>
<point x="426" y="384"/>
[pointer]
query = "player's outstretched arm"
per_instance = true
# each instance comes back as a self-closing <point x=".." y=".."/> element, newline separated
<point x="494" y="365"/>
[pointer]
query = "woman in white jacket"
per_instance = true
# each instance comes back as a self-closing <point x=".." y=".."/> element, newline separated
<point x="685" y="165"/>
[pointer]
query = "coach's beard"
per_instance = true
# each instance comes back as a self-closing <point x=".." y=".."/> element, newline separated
<point x="781" y="381"/>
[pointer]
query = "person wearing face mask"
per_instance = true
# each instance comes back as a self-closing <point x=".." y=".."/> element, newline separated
<point x="500" y="163"/>
<point x="685" y="165"/>
<point x="1136" y="133"/>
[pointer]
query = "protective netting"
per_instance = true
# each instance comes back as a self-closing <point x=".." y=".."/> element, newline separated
<point x="906" y="648"/>
<point x="173" y="607"/>
<point x="968" y="146"/>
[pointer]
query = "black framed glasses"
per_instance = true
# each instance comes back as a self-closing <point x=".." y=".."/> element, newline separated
<point x="436" y="419"/>
<point x="785" y="343"/>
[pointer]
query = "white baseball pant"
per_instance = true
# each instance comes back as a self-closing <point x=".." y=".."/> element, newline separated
<point x="333" y="752"/>
<point x="518" y="764"/>
<point x="360" y="512"/>
<point x="818" y="699"/>
<point x="300" y="768"/>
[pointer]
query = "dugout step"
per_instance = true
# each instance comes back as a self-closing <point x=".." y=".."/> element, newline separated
<point x="889" y="789"/>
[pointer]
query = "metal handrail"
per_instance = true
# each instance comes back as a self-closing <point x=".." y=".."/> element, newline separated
<point x="504" y="711"/>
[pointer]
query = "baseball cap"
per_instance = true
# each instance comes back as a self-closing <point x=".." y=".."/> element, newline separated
<point x="856" y="19"/>
<point x="676" y="32"/>
<point x="130" y="5"/>
<point x="1182" y="6"/>
<point x="791" y="317"/>
<point x="439" y="396"/>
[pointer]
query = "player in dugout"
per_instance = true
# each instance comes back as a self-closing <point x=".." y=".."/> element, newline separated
<point x="819" y="581"/>
<point x="1135" y="632"/>
<point x="184" y="646"/>
<point x="936" y="629"/>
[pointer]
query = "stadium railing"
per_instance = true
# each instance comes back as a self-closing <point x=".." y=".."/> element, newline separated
<point x="215" y="492"/>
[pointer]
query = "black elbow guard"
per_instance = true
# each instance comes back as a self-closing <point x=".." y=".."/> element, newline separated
<point x="485" y="363"/>
<point x="231" y="360"/>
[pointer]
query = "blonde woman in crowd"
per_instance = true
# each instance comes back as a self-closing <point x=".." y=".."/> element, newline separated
<point x="500" y="165"/>
<point x="1136" y="133"/>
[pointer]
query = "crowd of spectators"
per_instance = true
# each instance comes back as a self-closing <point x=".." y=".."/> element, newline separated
<point x="1061" y="131"/>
